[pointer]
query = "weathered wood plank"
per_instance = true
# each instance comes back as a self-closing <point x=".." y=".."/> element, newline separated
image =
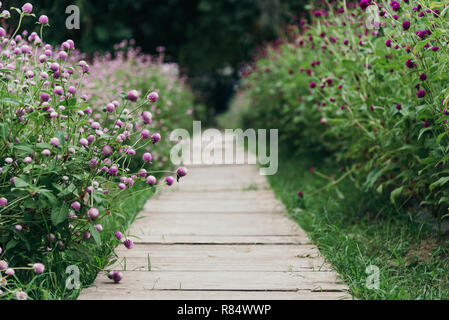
<point x="220" y="239"/>
<point x="227" y="281"/>
<point x="215" y="224"/>
<point x="220" y="258"/>
<point x="212" y="206"/>
<point x="111" y="293"/>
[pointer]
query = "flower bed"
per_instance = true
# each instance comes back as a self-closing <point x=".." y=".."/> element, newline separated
<point x="78" y="142"/>
<point x="375" y="98"/>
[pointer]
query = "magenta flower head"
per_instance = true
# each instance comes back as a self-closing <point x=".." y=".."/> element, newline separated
<point x="99" y="227"/>
<point x="46" y="152"/>
<point x="388" y="43"/>
<point x="399" y="106"/>
<point x="423" y="77"/>
<point x="128" y="243"/>
<point x="133" y="95"/>
<point x="169" y="180"/>
<point x="119" y="235"/>
<point x="364" y="4"/>
<point x="107" y="150"/>
<point x="93" y="213"/>
<point x="54" y="142"/>
<point x="300" y="194"/>
<point x="147" y="157"/>
<point x="10" y="272"/>
<point x="44" y="97"/>
<point x="156" y="137"/>
<point x="410" y="64"/>
<point x="122" y="186"/>
<point x="38" y="268"/>
<point x="421" y="94"/>
<point x="145" y="134"/>
<point x="406" y="25"/>
<point x="151" y="180"/>
<point x="312" y="84"/>
<point x="117" y="276"/>
<point x="153" y="97"/>
<point x="76" y="205"/>
<point x="435" y="48"/>
<point x="3" y="202"/>
<point x="43" y="19"/>
<point x="84" y="142"/>
<point x="27" y="8"/>
<point x="3" y="265"/>
<point x="181" y="172"/>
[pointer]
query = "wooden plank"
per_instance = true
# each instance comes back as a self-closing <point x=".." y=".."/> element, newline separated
<point x="217" y="239"/>
<point x="214" y="206"/>
<point x="112" y="293"/>
<point x="215" y="224"/>
<point x="226" y="281"/>
<point x="220" y="258"/>
<point x="250" y="195"/>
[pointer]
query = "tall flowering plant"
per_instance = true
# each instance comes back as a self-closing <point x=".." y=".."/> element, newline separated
<point x="365" y="80"/>
<point x="62" y="168"/>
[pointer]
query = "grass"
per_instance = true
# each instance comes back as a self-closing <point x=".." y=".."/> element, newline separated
<point x="354" y="230"/>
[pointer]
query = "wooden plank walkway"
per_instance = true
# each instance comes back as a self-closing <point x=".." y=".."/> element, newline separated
<point x="219" y="234"/>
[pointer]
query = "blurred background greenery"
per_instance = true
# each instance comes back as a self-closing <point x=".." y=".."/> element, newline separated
<point x="210" y="39"/>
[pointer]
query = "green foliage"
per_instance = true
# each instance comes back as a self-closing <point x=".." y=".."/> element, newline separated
<point x="337" y="87"/>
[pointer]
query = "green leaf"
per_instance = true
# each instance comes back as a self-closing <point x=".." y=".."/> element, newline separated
<point x="351" y="65"/>
<point x="440" y="182"/>
<point x="395" y="194"/>
<point x="20" y="183"/>
<point x="59" y="214"/>
<point x="95" y="234"/>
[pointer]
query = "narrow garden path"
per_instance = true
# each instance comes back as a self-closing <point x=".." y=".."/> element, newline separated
<point x="219" y="234"/>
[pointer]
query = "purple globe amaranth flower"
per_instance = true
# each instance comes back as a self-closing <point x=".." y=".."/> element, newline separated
<point x="27" y="8"/>
<point x="117" y="276"/>
<point x="153" y="97"/>
<point x="410" y="64"/>
<point x="133" y="95"/>
<point x="145" y="134"/>
<point x="110" y="107"/>
<point x="300" y="194"/>
<point x="395" y="5"/>
<point x="435" y="48"/>
<point x="21" y="295"/>
<point x="169" y="180"/>
<point x="99" y="227"/>
<point x="399" y="106"/>
<point x="364" y="4"/>
<point x="39" y="268"/>
<point x="423" y="77"/>
<point x="3" y="202"/>
<point x="76" y="205"/>
<point x="128" y="243"/>
<point x="181" y="172"/>
<point x="44" y="97"/>
<point x="147" y="117"/>
<point x="10" y="272"/>
<point x="151" y="180"/>
<point x="312" y="84"/>
<point x="84" y="142"/>
<point x="122" y="186"/>
<point x="421" y="94"/>
<point x="107" y="150"/>
<point x="86" y="235"/>
<point x="156" y="137"/>
<point x="118" y="235"/>
<point x="93" y="213"/>
<point x="43" y="19"/>
<point x="3" y="265"/>
<point x="406" y="25"/>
